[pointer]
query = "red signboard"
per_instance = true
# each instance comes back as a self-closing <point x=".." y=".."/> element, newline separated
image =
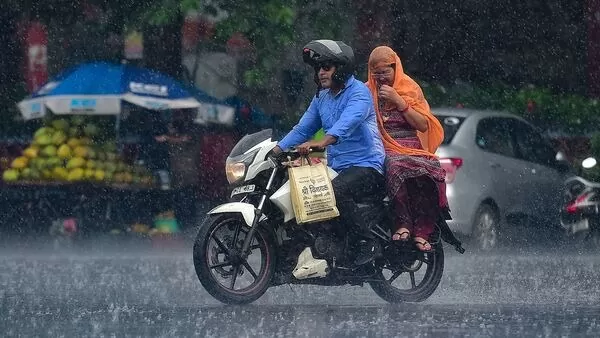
<point x="35" y="59"/>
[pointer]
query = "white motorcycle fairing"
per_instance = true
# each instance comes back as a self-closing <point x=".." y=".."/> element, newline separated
<point x="260" y="163"/>
<point x="246" y="209"/>
<point x="281" y="198"/>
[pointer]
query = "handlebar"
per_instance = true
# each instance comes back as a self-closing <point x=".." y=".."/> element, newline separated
<point x="293" y="154"/>
<point x="317" y="150"/>
<point x="312" y="150"/>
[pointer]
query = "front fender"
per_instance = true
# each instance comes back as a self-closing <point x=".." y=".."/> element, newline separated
<point x="246" y="209"/>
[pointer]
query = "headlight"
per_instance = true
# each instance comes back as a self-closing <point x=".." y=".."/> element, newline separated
<point x="235" y="167"/>
<point x="235" y="171"/>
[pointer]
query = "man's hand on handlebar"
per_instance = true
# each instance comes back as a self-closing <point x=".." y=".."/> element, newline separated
<point x="276" y="150"/>
<point x="311" y="146"/>
<point x="303" y="149"/>
<point x="277" y="155"/>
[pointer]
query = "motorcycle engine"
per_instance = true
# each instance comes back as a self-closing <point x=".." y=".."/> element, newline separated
<point x="327" y="247"/>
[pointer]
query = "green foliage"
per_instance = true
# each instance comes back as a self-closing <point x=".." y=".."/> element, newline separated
<point x="160" y="12"/>
<point x="574" y="114"/>
<point x="267" y="24"/>
<point x="595" y="145"/>
<point x="270" y="26"/>
<point x="593" y="174"/>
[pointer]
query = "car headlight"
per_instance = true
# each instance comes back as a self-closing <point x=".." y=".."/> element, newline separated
<point x="235" y="171"/>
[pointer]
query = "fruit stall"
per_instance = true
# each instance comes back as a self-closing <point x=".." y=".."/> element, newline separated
<point x="74" y="167"/>
<point x="67" y="170"/>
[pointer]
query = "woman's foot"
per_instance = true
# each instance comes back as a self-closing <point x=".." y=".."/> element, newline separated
<point x="401" y="234"/>
<point x="422" y="244"/>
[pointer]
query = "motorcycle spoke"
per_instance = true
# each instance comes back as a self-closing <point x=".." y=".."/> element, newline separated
<point x="412" y="279"/>
<point x="249" y="268"/>
<point x="236" y="270"/>
<point x="220" y="265"/>
<point x="221" y="245"/>
<point x="226" y="263"/>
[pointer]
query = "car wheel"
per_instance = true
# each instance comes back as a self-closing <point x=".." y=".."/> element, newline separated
<point x="485" y="228"/>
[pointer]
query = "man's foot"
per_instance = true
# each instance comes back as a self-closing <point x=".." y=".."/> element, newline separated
<point x="423" y="245"/>
<point x="368" y="250"/>
<point x="401" y="235"/>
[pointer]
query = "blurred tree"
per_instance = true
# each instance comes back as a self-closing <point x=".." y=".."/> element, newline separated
<point x="514" y="41"/>
<point x="45" y="10"/>
<point x="269" y="25"/>
<point x="160" y="22"/>
<point x="595" y="145"/>
<point x="11" y="82"/>
<point x="261" y="35"/>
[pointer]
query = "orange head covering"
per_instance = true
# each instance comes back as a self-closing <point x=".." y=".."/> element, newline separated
<point x="410" y="91"/>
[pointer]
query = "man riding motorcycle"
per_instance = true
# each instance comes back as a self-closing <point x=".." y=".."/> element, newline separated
<point x="344" y="108"/>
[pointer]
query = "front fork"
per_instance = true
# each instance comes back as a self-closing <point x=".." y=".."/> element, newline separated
<point x="258" y="213"/>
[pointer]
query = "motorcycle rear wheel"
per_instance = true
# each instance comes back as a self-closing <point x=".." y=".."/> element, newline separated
<point x="434" y="262"/>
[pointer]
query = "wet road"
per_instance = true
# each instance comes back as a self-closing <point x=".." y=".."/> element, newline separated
<point x="137" y="292"/>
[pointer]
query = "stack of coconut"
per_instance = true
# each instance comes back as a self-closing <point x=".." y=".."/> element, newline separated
<point x="64" y="151"/>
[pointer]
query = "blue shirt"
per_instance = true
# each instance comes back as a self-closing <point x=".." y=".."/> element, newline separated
<point x="350" y="117"/>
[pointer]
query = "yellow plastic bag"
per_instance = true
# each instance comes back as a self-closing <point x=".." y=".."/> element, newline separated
<point x="312" y="194"/>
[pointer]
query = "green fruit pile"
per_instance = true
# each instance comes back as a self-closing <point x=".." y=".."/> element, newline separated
<point x="64" y="151"/>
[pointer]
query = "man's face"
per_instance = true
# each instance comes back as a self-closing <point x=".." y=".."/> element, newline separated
<point x="326" y="71"/>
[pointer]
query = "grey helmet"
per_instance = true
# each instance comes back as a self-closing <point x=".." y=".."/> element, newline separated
<point x="321" y="52"/>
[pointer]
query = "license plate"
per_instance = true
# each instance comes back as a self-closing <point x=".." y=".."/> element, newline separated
<point x="242" y="190"/>
<point x="582" y="225"/>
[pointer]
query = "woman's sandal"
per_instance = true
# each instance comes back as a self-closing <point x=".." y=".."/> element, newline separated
<point x="423" y="245"/>
<point x="401" y="234"/>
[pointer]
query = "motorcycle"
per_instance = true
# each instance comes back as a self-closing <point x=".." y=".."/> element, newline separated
<point x="253" y="242"/>
<point x="580" y="216"/>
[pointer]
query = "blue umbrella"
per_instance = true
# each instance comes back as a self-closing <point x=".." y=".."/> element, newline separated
<point x="99" y="88"/>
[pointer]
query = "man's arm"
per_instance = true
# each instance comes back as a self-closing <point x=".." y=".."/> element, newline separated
<point x="308" y="125"/>
<point x="354" y="115"/>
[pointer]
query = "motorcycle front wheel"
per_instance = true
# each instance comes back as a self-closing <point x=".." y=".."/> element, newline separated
<point x="220" y="265"/>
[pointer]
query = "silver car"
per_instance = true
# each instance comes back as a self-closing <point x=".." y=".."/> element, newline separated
<point x="501" y="171"/>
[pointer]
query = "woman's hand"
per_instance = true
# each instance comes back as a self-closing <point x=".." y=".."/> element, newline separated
<point x="389" y="94"/>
